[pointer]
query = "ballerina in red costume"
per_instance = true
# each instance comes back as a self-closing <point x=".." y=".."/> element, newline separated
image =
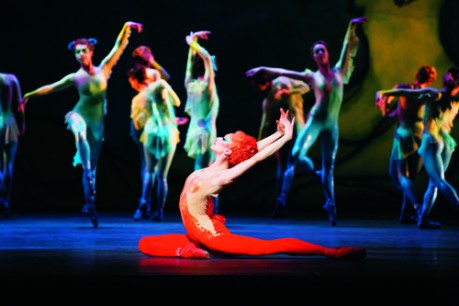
<point x="206" y="232"/>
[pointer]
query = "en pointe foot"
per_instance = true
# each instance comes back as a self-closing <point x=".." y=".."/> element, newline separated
<point x="427" y="224"/>
<point x="143" y="211"/>
<point x="90" y="211"/>
<point x="330" y="209"/>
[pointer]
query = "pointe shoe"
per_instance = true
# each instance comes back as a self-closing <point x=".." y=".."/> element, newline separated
<point x="158" y="215"/>
<point x="90" y="211"/>
<point x="427" y="224"/>
<point x="191" y="251"/>
<point x="330" y="209"/>
<point x="143" y="211"/>
<point x="137" y="215"/>
<point x="346" y="253"/>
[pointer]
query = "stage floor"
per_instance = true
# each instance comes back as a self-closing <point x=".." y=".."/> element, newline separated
<point x="64" y="250"/>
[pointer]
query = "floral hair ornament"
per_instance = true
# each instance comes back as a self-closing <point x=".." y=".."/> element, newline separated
<point x="71" y="45"/>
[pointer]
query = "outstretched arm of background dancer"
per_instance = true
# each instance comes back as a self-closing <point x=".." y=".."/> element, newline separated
<point x="120" y="45"/>
<point x="350" y="46"/>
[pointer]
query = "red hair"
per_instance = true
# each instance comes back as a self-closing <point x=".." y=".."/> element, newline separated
<point x="243" y="147"/>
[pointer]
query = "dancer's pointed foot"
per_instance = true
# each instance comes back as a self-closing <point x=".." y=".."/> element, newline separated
<point x="427" y="224"/>
<point x="143" y="211"/>
<point x="330" y="209"/>
<point x="137" y="215"/>
<point x="90" y="210"/>
<point x="158" y="215"/>
<point x="346" y="253"/>
<point x="280" y="210"/>
<point x="191" y="251"/>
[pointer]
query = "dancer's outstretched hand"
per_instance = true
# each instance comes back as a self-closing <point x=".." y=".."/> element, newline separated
<point x="284" y="125"/>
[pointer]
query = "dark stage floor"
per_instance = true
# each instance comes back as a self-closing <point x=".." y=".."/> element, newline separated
<point x="404" y="263"/>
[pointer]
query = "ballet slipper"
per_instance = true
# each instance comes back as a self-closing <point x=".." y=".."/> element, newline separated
<point x="191" y="251"/>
